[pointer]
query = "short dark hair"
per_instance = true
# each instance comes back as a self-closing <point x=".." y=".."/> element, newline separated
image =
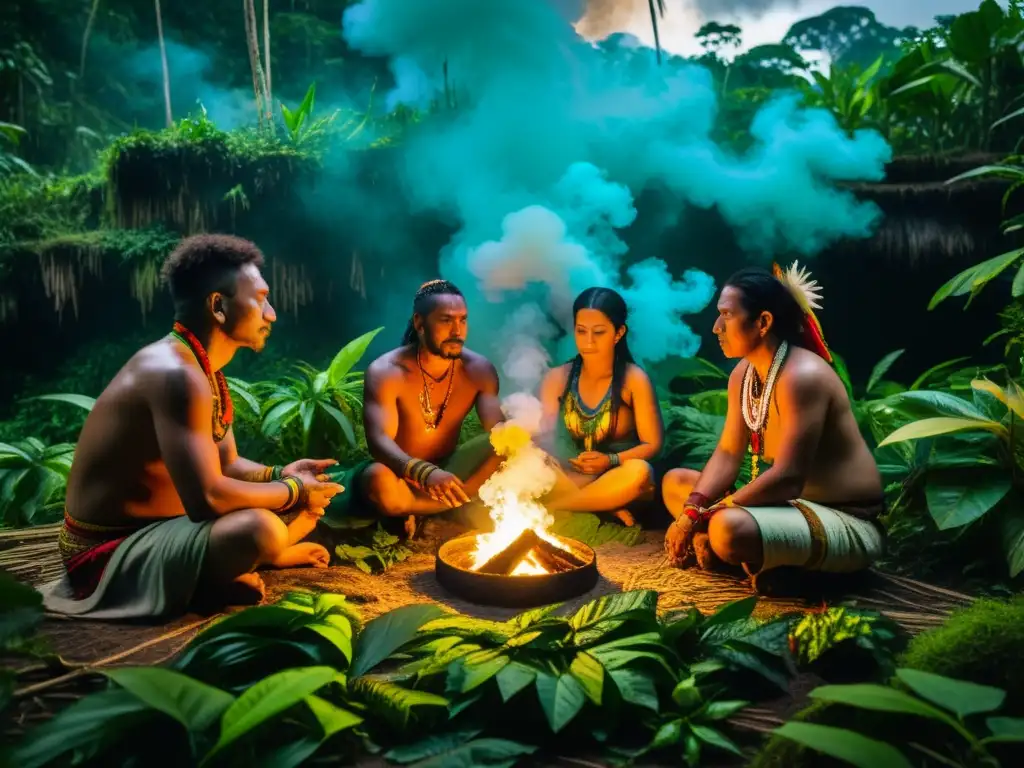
<point x="423" y="303"/>
<point x="760" y="291"/>
<point x="202" y="264"/>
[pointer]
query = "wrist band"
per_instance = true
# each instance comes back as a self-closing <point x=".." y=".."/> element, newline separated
<point x="295" y="491"/>
<point x="698" y="500"/>
<point x="692" y="512"/>
<point x="613" y="459"/>
<point x="275" y="472"/>
<point x="418" y="470"/>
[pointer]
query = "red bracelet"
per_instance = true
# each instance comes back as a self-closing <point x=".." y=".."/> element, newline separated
<point x="698" y="500"/>
<point x="692" y="512"/>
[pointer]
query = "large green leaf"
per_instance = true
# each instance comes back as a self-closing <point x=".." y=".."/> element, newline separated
<point x="956" y="498"/>
<point x="941" y="425"/>
<point x="1011" y="534"/>
<point x="845" y="745"/>
<point x="737" y="610"/>
<point x="561" y="698"/>
<point x="348" y="356"/>
<point x="393" y="702"/>
<point x="100" y="715"/>
<point x="960" y="697"/>
<point x="388" y="632"/>
<point x="431" y="746"/>
<point x="878" y="698"/>
<point x="636" y="686"/>
<point x="21" y="609"/>
<point x="1005" y="729"/>
<point x="883" y="366"/>
<point x="480" y="753"/>
<point x="82" y="401"/>
<point x="268" y="698"/>
<point x="589" y="674"/>
<point x="332" y="718"/>
<point x="513" y="678"/>
<point x="193" y="704"/>
<point x="342" y="421"/>
<point x="973" y="279"/>
<point x="622" y="605"/>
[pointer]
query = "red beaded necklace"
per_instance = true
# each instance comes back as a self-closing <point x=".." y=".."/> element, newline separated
<point x="223" y="408"/>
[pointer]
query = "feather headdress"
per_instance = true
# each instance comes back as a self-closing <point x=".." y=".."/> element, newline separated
<point x="807" y="293"/>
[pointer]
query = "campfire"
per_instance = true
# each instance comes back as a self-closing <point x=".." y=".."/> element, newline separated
<point x="520" y="562"/>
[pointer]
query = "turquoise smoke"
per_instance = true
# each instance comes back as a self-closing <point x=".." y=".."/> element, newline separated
<point x="553" y="136"/>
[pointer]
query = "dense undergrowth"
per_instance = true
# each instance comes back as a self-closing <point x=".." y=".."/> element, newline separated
<point x="306" y="679"/>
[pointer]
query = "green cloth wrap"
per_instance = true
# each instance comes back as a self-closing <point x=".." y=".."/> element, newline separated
<point x="351" y="509"/>
<point x="152" y="574"/>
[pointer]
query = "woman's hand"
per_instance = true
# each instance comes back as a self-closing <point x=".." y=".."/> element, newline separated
<point x="591" y="463"/>
<point x="679" y="538"/>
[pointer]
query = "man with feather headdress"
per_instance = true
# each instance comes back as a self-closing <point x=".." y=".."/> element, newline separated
<point x="815" y="492"/>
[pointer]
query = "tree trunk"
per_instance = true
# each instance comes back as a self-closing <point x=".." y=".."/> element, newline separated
<point x="267" y="91"/>
<point x="163" y="62"/>
<point x="86" y="35"/>
<point x="252" y="42"/>
<point x="654" y="25"/>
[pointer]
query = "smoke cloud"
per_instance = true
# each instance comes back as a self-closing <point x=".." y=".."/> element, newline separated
<point x="552" y="139"/>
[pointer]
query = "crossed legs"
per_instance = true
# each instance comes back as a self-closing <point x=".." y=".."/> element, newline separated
<point x="732" y="535"/>
<point x="611" y="491"/>
<point x="242" y="541"/>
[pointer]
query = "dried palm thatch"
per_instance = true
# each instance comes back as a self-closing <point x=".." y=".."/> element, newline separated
<point x="925" y="220"/>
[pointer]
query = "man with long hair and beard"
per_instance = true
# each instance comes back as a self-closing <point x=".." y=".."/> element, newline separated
<point x="815" y="493"/>
<point x="415" y="399"/>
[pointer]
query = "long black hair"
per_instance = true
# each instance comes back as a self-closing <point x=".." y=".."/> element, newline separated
<point x="760" y="291"/>
<point x="611" y="304"/>
<point x="423" y="303"/>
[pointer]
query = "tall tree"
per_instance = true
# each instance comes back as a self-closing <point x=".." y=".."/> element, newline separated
<point x="657" y="9"/>
<point x="163" y="64"/>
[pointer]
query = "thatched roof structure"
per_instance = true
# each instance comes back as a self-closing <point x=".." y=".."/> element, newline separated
<point x="927" y="220"/>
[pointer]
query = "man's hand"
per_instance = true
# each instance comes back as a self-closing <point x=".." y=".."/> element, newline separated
<point x="317" y="493"/>
<point x="314" y="467"/>
<point x="591" y="463"/>
<point x="678" y="539"/>
<point x="445" y="487"/>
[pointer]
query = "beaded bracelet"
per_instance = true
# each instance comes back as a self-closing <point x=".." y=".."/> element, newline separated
<point x="419" y="470"/>
<point x="295" y="491"/>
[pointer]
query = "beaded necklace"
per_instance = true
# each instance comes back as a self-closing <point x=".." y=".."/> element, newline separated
<point x="223" y="408"/>
<point x="754" y="403"/>
<point x="431" y="418"/>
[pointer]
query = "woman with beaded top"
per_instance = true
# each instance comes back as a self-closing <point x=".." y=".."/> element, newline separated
<point x="601" y="416"/>
<point x="815" y="493"/>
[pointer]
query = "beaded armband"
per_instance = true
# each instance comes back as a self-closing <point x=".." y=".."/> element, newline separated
<point x="418" y="470"/>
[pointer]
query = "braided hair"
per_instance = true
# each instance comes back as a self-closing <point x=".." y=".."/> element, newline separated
<point x="423" y="303"/>
<point x="611" y="304"/>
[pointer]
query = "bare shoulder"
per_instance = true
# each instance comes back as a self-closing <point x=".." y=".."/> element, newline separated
<point x="806" y="373"/>
<point x="637" y="378"/>
<point x="388" y="368"/>
<point x="165" y="375"/>
<point x="478" y="368"/>
<point x="557" y="377"/>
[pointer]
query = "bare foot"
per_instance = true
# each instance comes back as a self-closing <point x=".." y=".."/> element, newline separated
<point x="305" y="554"/>
<point x="702" y="550"/>
<point x="625" y="516"/>
<point x="410" y="526"/>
